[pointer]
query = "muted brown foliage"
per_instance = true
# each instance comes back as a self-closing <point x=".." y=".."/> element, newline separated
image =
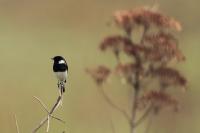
<point x="162" y="46"/>
<point x="128" y="19"/>
<point x="99" y="74"/>
<point x="115" y="43"/>
<point x="128" y="71"/>
<point x="160" y="99"/>
<point x="149" y="59"/>
<point x="170" y="76"/>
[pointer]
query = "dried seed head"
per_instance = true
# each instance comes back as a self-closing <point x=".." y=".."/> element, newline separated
<point x="128" y="71"/>
<point x="99" y="74"/>
<point x="159" y="99"/>
<point x="127" y="19"/>
<point x="115" y="42"/>
<point x="162" y="47"/>
<point x="170" y="76"/>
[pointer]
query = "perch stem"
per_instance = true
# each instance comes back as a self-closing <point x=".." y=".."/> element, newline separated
<point x="41" y="103"/>
<point x="50" y="114"/>
<point x="45" y="108"/>
<point x="48" y="122"/>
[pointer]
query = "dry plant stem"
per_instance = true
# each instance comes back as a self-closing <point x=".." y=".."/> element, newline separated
<point x="144" y="116"/>
<point x="56" y="118"/>
<point x="136" y="85"/>
<point x="16" y="123"/>
<point x="111" y="103"/>
<point x="134" y="111"/>
<point x="45" y="108"/>
<point x="50" y="113"/>
<point x="48" y="122"/>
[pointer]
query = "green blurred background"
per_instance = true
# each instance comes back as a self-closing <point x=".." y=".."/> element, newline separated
<point x="33" y="31"/>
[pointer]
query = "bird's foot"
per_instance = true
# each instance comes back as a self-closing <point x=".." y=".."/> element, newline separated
<point x="58" y="84"/>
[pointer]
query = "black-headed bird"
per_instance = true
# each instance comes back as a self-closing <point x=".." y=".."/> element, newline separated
<point x="60" y="69"/>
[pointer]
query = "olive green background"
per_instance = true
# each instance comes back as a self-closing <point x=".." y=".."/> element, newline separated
<point x="33" y="31"/>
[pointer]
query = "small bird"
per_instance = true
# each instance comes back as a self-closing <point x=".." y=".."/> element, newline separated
<point x="60" y="68"/>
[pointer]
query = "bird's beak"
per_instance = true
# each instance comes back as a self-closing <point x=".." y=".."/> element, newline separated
<point x="51" y="58"/>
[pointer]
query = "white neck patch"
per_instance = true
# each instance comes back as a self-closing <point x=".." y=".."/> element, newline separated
<point x="61" y="62"/>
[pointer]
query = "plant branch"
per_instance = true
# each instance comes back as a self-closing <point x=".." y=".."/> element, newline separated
<point x="45" y="108"/>
<point x="40" y="125"/>
<point x="136" y="85"/>
<point x="56" y="105"/>
<point x="42" y="103"/>
<point x="16" y="123"/>
<point x="48" y="122"/>
<point x="58" y="119"/>
<point x="111" y="103"/>
<point x="144" y="116"/>
<point x="134" y="108"/>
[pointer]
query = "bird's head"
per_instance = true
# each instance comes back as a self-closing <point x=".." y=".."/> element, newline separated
<point x="58" y="59"/>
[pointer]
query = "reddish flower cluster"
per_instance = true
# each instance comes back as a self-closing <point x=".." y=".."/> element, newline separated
<point x="128" y="71"/>
<point x="161" y="38"/>
<point x="119" y="43"/>
<point x="99" y="74"/>
<point x="142" y="16"/>
<point x="170" y="76"/>
<point x="116" y="42"/>
<point x="162" y="46"/>
<point x="150" y="57"/>
<point x="159" y="99"/>
<point x="128" y="68"/>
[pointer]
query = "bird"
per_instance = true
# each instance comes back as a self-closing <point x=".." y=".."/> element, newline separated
<point x="60" y="68"/>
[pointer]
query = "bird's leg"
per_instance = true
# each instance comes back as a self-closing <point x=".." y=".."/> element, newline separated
<point x="62" y="86"/>
<point x="58" y="84"/>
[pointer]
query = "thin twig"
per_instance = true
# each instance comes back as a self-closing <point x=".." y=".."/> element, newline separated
<point x="56" y="118"/>
<point x="43" y="105"/>
<point x="56" y="105"/>
<point x="40" y="125"/>
<point x="50" y="113"/>
<point x="48" y="121"/>
<point x="16" y="123"/>
<point x="134" y="108"/>
<point x="111" y="103"/>
<point x="144" y="116"/>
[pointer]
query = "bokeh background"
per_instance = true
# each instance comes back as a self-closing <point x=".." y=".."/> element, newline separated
<point x="33" y="31"/>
